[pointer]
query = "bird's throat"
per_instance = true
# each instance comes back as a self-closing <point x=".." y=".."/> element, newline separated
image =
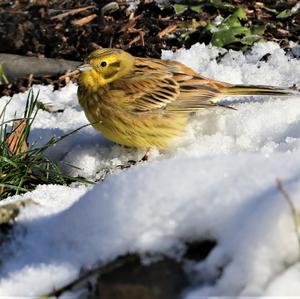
<point x="91" y="80"/>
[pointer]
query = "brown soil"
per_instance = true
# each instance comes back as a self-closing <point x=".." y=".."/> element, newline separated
<point x="72" y="29"/>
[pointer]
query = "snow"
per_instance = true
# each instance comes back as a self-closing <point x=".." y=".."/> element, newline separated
<point x="218" y="183"/>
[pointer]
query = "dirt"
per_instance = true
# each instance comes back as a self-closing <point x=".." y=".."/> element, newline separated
<point x="72" y="29"/>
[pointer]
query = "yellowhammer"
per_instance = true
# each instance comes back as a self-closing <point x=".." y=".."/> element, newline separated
<point x="145" y="102"/>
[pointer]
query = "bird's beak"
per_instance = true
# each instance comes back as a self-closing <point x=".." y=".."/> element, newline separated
<point x="85" y="67"/>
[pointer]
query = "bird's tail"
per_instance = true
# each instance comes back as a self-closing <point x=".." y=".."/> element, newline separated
<point x="259" y="90"/>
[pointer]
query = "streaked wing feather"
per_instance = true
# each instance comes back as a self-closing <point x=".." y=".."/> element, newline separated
<point x="149" y="91"/>
<point x="196" y="92"/>
<point x="157" y="85"/>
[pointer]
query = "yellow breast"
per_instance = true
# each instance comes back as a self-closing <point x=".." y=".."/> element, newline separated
<point x="141" y="130"/>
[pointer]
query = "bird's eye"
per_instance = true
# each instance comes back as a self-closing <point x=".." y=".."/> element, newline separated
<point x="103" y="63"/>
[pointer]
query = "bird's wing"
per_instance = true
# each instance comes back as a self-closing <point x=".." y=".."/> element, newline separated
<point x="148" y="91"/>
<point x="168" y="86"/>
<point x="196" y="92"/>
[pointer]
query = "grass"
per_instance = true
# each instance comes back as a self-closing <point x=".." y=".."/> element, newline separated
<point x="23" y="166"/>
<point x="3" y="78"/>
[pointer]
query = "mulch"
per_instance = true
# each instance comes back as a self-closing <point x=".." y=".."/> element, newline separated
<point x="72" y="29"/>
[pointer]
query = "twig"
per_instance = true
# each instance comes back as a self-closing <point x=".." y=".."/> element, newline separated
<point x="30" y="79"/>
<point x="168" y="30"/>
<point x="70" y="74"/>
<point x="72" y="12"/>
<point x="140" y="37"/>
<point x="97" y="270"/>
<point x="95" y="46"/>
<point x="130" y="26"/>
<point x="135" y="40"/>
<point x="111" y="41"/>
<point x="293" y="209"/>
<point x="84" y="20"/>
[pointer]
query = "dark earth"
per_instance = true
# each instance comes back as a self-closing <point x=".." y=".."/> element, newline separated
<point x="72" y="29"/>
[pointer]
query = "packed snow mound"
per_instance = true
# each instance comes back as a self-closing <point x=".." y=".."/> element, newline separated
<point x="154" y="208"/>
<point x="219" y="183"/>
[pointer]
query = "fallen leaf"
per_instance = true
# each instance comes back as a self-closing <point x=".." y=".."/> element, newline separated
<point x="16" y="140"/>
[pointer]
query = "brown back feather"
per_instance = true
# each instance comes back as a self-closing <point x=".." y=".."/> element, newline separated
<point x="155" y="85"/>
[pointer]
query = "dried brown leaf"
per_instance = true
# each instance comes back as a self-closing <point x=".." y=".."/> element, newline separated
<point x="16" y="139"/>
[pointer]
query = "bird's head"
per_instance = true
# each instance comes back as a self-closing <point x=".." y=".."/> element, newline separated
<point x="104" y="66"/>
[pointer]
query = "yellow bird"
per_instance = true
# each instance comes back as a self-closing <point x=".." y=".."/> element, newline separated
<point x="145" y="102"/>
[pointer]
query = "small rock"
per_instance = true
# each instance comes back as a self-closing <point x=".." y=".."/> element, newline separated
<point x="163" y="279"/>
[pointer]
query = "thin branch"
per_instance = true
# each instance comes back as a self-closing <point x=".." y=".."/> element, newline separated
<point x="69" y="74"/>
<point x="84" y="21"/>
<point x="72" y="12"/>
<point x="168" y="30"/>
<point x="293" y="209"/>
<point x="97" y="270"/>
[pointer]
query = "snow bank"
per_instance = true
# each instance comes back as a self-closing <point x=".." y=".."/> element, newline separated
<point x="218" y="183"/>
